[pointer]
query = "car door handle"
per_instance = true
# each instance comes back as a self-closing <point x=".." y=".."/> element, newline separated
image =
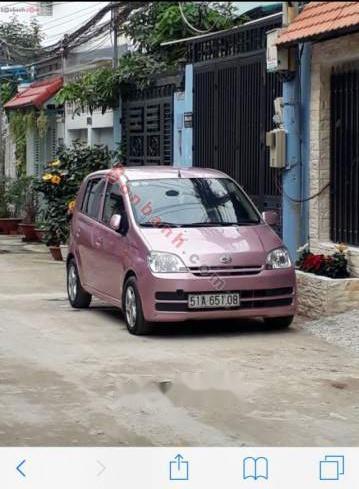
<point x="98" y="242"/>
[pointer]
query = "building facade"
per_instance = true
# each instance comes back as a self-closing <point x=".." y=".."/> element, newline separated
<point x="332" y="30"/>
<point x="64" y="124"/>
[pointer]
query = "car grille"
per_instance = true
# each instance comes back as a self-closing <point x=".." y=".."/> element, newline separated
<point x="222" y="271"/>
<point x="250" y="299"/>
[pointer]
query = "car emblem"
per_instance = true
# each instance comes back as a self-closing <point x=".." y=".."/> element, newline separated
<point x="226" y="259"/>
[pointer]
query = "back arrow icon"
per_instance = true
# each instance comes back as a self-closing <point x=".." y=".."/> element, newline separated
<point x="18" y="468"/>
<point x="102" y="470"/>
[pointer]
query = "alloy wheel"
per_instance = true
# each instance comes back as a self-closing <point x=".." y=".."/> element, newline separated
<point x="131" y="306"/>
<point x="72" y="282"/>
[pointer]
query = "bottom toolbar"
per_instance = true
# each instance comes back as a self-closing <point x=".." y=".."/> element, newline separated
<point x="159" y="468"/>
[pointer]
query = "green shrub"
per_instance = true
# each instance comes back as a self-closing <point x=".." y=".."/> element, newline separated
<point x="60" y="183"/>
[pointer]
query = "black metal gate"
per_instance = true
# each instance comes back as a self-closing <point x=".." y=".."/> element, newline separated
<point x="147" y="127"/>
<point x="344" y="219"/>
<point x="233" y="109"/>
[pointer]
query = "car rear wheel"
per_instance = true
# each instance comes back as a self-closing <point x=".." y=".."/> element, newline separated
<point x="132" y="309"/>
<point x="78" y="297"/>
<point x="279" y="323"/>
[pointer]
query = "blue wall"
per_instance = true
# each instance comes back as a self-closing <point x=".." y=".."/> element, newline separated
<point x="296" y="97"/>
<point x="183" y="136"/>
<point x="305" y="72"/>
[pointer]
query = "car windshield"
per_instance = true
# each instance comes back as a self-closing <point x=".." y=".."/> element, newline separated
<point x="190" y="202"/>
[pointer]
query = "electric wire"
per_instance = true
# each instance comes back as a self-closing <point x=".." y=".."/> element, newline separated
<point x="81" y="35"/>
<point x="280" y="189"/>
<point x="189" y="25"/>
<point x="69" y="17"/>
<point x="49" y="50"/>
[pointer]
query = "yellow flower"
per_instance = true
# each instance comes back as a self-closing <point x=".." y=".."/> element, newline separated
<point x="55" y="163"/>
<point x="341" y="247"/>
<point x="55" y="179"/>
<point x="47" y="177"/>
<point x="71" y="205"/>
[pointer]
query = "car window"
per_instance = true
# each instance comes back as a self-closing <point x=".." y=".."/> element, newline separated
<point x="113" y="203"/>
<point x="191" y="201"/>
<point x="92" y="200"/>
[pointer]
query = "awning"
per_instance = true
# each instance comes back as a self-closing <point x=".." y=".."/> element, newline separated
<point x="321" y="20"/>
<point x="36" y="94"/>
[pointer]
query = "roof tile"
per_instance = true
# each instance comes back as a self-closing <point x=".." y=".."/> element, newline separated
<point x="36" y="94"/>
<point x="319" y="18"/>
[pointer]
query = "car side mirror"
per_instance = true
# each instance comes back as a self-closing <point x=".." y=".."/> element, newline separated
<point x="270" y="217"/>
<point x="115" y="222"/>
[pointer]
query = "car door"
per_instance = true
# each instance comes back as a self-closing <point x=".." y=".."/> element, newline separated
<point x="111" y="247"/>
<point x="85" y="233"/>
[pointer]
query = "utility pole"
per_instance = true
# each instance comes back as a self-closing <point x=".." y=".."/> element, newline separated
<point x="2" y="141"/>
<point x="63" y="55"/>
<point x="117" y="111"/>
<point x="295" y="176"/>
<point x="114" y="26"/>
<point x="2" y="159"/>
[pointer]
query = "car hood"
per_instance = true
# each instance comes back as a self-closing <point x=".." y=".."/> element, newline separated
<point x="245" y="245"/>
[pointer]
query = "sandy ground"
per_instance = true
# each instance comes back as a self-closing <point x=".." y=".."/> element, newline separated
<point x="78" y="378"/>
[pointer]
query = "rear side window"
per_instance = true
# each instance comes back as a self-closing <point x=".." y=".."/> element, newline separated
<point x="92" y="199"/>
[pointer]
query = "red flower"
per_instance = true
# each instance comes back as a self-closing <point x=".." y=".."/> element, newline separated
<point x="313" y="262"/>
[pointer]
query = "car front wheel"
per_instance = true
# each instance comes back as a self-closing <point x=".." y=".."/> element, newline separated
<point x="132" y="309"/>
<point x="78" y="297"/>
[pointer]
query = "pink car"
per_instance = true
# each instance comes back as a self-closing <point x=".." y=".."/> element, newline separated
<point x="167" y="244"/>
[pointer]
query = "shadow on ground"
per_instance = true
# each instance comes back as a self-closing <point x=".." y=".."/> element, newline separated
<point x="199" y="328"/>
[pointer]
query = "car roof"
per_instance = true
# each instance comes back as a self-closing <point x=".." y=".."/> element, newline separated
<point x="155" y="172"/>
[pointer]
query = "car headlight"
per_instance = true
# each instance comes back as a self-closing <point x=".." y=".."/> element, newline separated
<point x="278" y="258"/>
<point x="165" y="263"/>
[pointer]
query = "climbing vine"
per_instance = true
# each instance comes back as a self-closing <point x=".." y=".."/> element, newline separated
<point x="8" y="90"/>
<point x="19" y="123"/>
<point x="147" y="28"/>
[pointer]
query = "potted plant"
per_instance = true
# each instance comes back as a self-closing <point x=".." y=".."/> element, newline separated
<point x="27" y="226"/>
<point x="324" y="284"/>
<point x="8" y="223"/>
<point x="40" y="230"/>
<point x="53" y="241"/>
<point x="59" y="185"/>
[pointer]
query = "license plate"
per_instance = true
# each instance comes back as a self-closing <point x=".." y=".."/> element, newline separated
<point x="208" y="301"/>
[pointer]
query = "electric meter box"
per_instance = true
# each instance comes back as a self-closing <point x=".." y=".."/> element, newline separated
<point x="277" y="58"/>
<point x="276" y="141"/>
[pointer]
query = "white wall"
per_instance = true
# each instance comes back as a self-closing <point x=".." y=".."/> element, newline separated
<point x="103" y="136"/>
<point x="9" y="147"/>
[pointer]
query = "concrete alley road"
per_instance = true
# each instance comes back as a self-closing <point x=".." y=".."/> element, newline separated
<point x="78" y="378"/>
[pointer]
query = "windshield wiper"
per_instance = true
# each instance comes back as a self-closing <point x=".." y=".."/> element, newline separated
<point x="208" y="224"/>
<point x="162" y="224"/>
<point x="249" y="221"/>
<point x="218" y="224"/>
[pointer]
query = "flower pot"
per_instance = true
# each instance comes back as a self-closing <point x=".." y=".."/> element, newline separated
<point x="40" y="233"/>
<point x="56" y="253"/>
<point x="9" y="225"/>
<point x="320" y="296"/>
<point x="64" y="251"/>
<point x="28" y="230"/>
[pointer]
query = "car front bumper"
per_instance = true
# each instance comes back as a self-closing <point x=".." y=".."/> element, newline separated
<point x="270" y="293"/>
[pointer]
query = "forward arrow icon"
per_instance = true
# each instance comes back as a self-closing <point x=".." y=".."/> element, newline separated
<point x="102" y="468"/>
